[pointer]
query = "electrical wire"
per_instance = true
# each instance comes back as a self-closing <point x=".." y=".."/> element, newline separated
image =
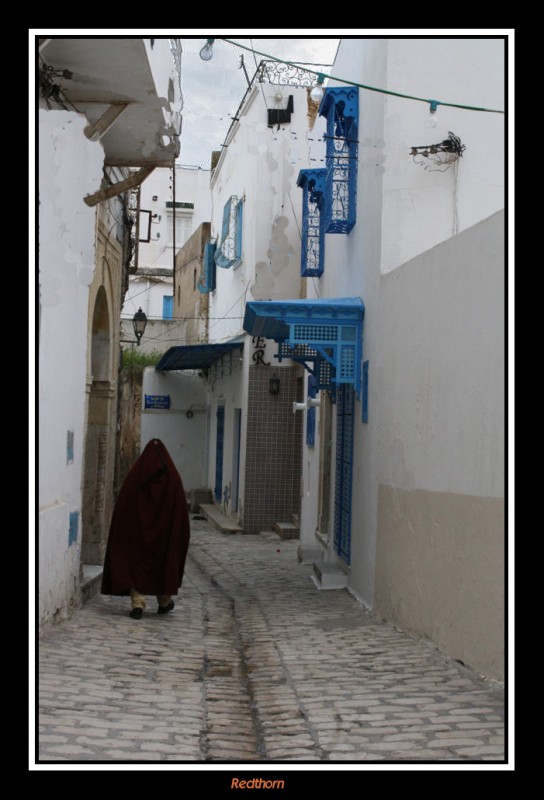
<point x="181" y="319"/>
<point x="362" y="85"/>
<point x="243" y="295"/>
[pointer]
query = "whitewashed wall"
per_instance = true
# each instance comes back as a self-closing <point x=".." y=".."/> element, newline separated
<point x="70" y="167"/>
<point x="440" y="549"/>
<point x="183" y="436"/>
<point x="230" y="391"/>
<point x="148" y="295"/>
<point x="192" y="186"/>
<point x="403" y="213"/>
<point x="261" y="165"/>
<point x="422" y="208"/>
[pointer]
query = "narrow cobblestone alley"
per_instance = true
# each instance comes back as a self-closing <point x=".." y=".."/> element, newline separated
<point x="255" y="664"/>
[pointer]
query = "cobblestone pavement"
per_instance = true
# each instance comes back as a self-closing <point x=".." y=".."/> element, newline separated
<point x="255" y="664"/>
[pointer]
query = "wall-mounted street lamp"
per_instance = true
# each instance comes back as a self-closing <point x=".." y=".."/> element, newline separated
<point x="139" y="321"/>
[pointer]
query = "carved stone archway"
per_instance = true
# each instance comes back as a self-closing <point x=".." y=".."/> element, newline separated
<point x="98" y="444"/>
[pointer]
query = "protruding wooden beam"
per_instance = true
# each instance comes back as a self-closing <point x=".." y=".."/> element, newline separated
<point x="112" y="191"/>
<point x="97" y="129"/>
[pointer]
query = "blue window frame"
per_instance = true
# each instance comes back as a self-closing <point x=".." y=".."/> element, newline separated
<point x="365" y="392"/>
<point x="312" y="183"/>
<point x="340" y="105"/>
<point x="229" y="249"/>
<point x="167" y="306"/>
<point x="207" y="278"/>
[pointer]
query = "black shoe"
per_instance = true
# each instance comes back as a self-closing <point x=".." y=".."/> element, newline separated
<point x="136" y="613"/>
<point x="166" y="609"/>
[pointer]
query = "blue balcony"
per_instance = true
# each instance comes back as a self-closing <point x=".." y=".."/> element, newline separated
<point x="312" y="183"/>
<point x="340" y="106"/>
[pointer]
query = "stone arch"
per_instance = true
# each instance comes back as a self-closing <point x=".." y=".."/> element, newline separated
<point x="100" y="433"/>
<point x="101" y="338"/>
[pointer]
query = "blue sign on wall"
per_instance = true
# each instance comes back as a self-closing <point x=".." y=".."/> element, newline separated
<point x="157" y="401"/>
<point x="73" y="524"/>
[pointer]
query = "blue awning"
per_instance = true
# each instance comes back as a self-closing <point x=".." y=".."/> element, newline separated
<point x="271" y="318"/>
<point x="325" y="334"/>
<point x="195" y="356"/>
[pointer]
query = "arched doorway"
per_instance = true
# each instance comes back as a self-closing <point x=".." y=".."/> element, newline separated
<point x="98" y="477"/>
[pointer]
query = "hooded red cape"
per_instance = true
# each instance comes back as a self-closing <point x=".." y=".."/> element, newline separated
<point x="150" y="530"/>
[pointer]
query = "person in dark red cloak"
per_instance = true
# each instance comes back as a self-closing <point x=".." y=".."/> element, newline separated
<point x="149" y="533"/>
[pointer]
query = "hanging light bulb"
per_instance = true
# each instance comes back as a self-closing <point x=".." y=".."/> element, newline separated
<point x="206" y="53"/>
<point x="317" y="92"/>
<point x="432" y="121"/>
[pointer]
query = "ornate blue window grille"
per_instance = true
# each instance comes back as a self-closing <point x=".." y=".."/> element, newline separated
<point x="207" y="278"/>
<point x="340" y="105"/>
<point x="325" y="335"/>
<point x="229" y="249"/>
<point x="312" y="183"/>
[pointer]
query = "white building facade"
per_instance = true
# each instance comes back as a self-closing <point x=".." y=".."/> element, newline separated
<point x="171" y="208"/>
<point x="105" y="105"/>
<point x="403" y="480"/>
<point x="254" y="441"/>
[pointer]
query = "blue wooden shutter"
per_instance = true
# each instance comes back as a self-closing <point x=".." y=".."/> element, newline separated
<point x="226" y="220"/>
<point x="239" y="226"/>
<point x="207" y="279"/>
<point x="167" y="306"/>
<point x="224" y="254"/>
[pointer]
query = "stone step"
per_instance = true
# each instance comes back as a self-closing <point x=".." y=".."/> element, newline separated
<point x="286" y="530"/>
<point x="329" y="576"/>
<point x="307" y="554"/>
<point x="198" y="496"/>
<point x="218" y="519"/>
<point x="90" y="582"/>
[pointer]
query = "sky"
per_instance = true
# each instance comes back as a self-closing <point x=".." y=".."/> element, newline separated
<point x="212" y="90"/>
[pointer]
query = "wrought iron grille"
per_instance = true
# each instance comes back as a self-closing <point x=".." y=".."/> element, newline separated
<point x="133" y="218"/>
<point x="287" y="75"/>
<point x="313" y="232"/>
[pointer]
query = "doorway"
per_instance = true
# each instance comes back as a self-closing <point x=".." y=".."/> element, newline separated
<point x="344" y="470"/>
<point x="236" y="459"/>
<point x="219" y="445"/>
